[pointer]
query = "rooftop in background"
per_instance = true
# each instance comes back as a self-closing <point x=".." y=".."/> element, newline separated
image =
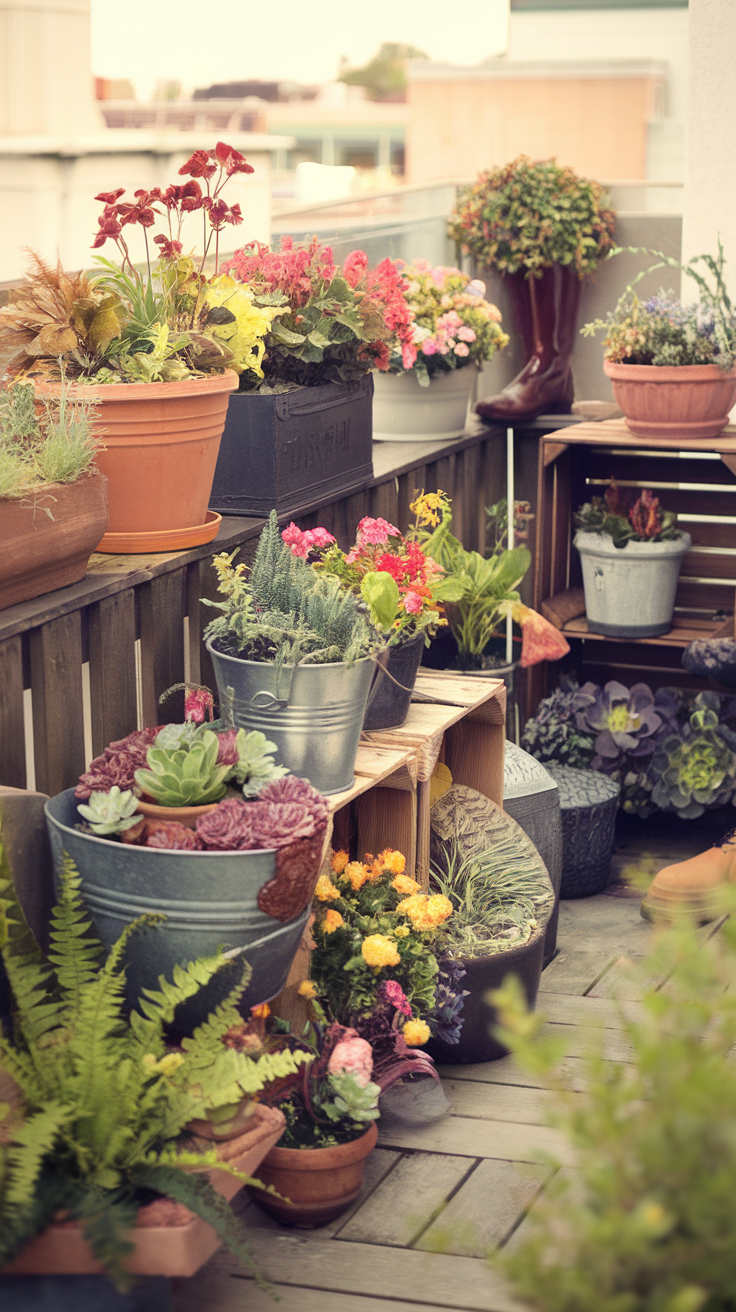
<point x="598" y="4"/>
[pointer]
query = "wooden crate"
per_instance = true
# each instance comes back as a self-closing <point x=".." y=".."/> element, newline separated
<point x="695" y="479"/>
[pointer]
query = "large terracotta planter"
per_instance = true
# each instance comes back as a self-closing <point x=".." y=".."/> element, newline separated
<point x="689" y="400"/>
<point x="160" y="445"/>
<point x="169" y="1239"/>
<point x="316" y="1184"/>
<point x="42" y="552"/>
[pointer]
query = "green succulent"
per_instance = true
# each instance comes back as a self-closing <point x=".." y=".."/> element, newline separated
<point x="256" y="766"/>
<point x="181" y="776"/>
<point x="358" y="1101"/>
<point x="696" y="769"/>
<point x="110" y="813"/>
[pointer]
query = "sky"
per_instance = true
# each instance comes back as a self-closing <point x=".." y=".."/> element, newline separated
<point x="198" y="43"/>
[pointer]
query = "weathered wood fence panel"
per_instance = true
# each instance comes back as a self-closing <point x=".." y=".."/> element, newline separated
<point x="133" y="626"/>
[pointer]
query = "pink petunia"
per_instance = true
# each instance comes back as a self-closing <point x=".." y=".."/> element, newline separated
<point x="461" y="349"/>
<point x="319" y="537"/>
<point x="375" y="531"/>
<point x="466" y="334"/>
<point x="412" y="603"/>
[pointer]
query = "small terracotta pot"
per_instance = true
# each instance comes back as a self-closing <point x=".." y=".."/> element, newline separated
<point x="316" y="1184"/>
<point x="169" y="1240"/>
<point x="673" y="401"/>
<point x="183" y="815"/>
<point x="41" y="553"/>
<point x="159" y="450"/>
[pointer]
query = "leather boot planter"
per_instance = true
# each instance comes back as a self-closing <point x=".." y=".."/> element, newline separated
<point x="390" y="697"/>
<point x="545" y="312"/>
<point x="695" y="887"/>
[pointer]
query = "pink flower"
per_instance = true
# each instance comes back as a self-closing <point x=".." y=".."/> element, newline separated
<point x="319" y="537"/>
<point x="296" y="540"/>
<point x="429" y="346"/>
<point x="227" y="752"/>
<point x="476" y="287"/>
<point x="395" y="995"/>
<point x="412" y="603"/>
<point x="352" y="1057"/>
<point x="354" y="267"/>
<point x="408" y="354"/>
<point x="466" y="334"/>
<point x="375" y="531"/>
<point x="461" y="349"/>
<point x="197" y="704"/>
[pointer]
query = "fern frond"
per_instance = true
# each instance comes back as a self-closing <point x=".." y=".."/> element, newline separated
<point x="21" y="1068"/>
<point x="196" y="1192"/>
<point x="158" y="1007"/>
<point x="35" y="1137"/>
<point x="106" y="1224"/>
<point x="30" y="978"/>
<point x="74" y="948"/>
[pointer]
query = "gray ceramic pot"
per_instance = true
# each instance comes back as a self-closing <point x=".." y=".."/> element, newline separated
<point x="630" y="591"/>
<point x="313" y="713"/>
<point x="209" y="900"/>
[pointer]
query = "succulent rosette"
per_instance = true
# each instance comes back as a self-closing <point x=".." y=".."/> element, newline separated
<point x="625" y="720"/>
<point x="695" y="768"/>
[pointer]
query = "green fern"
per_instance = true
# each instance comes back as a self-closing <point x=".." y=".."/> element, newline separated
<point x="103" y="1100"/>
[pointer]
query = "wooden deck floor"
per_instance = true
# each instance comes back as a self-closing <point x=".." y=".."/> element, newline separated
<point x="437" y="1199"/>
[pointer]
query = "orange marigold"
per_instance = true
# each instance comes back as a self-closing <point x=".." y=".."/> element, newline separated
<point x="405" y="885"/>
<point x="415" y="1033"/>
<point x="339" y="861"/>
<point x="356" y="875"/>
<point x="394" y="862"/>
<point x="425" y="912"/>
<point x="379" y="951"/>
<point x="332" y="921"/>
<point x="306" y="989"/>
<point x="325" y="890"/>
<point x="261" y="1012"/>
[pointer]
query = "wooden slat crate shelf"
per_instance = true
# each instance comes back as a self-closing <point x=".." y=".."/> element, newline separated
<point x="696" y="479"/>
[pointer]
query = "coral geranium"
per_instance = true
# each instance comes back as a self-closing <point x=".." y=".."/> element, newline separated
<point x="453" y="324"/>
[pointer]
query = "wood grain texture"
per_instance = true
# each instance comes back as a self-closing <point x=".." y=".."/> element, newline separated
<point x="111" y="636"/>
<point x="485" y="1209"/>
<point x="162" y="607"/>
<point x="58" y="724"/>
<point x="468" y="1137"/>
<point x="405" y="1203"/>
<point x="12" y="737"/>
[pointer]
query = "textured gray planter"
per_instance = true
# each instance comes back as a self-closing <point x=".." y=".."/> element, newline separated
<point x="289" y="450"/>
<point x="630" y="591"/>
<point x="209" y="899"/>
<point x="531" y="796"/>
<point x="313" y="713"/>
<point x="588" y="805"/>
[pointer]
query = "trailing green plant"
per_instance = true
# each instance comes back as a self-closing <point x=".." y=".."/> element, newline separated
<point x="531" y="214"/>
<point x="645" y="1222"/>
<point x="285" y="611"/>
<point x="663" y="331"/>
<point x="110" y="813"/>
<point x="56" y="447"/>
<point x="186" y="775"/>
<point x="694" y="769"/>
<point x="624" y="518"/>
<point x="101" y="1098"/>
<point x="500" y="898"/>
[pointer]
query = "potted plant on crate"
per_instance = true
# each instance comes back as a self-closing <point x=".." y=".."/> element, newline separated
<point x="672" y="365"/>
<point x="293" y="652"/>
<point x="631" y="552"/>
<point x="157" y="352"/>
<point x="455" y="331"/>
<point x="330" y="1106"/>
<point x="255" y="855"/>
<point x="97" y="1176"/>
<point x="53" y="501"/>
<point x="402" y="588"/>
<point x="302" y="428"/>
<point x="501" y="896"/>
<point x="543" y="228"/>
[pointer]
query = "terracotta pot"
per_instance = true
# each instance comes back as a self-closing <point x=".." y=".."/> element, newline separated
<point x="184" y="815"/>
<point x="316" y="1184"/>
<point x="235" y="1126"/>
<point x="169" y="1240"/>
<point x="41" y="553"/>
<point x="689" y="400"/>
<point x="160" y="446"/>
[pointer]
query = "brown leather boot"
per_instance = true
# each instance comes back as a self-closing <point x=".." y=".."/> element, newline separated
<point x="545" y="312"/>
<point x="694" y="887"/>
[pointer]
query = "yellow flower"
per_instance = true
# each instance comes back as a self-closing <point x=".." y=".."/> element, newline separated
<point x="170" y="1063"/>
<point x="261" y="1012"/>
<point x="425" y="912"/>
<point x="393" y="862"/>
<point x="306" y="989"/>
<point x="429" y="507"/>
<point x="405" y="885"/>
<point x="415" y="1033"/>
<point x="325" y="890"/>
<point x="245" y="336"/>
<point x="402" y="931"/>
<point x="339" y="862"/>
<point x="379" y="951"/>
<point x="439" y="907"/>
<point x="332" y="921"/>
<point x="356" y="874"/>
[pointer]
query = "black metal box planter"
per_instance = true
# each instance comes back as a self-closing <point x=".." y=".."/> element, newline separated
<point x="289" y="450"/>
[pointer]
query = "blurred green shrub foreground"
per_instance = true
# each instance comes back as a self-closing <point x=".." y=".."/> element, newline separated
<point x="646" y="1221"/>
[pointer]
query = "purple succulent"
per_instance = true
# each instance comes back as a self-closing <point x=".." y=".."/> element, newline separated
<point x="291" y="789"/>
<point x="228" y="828"/>
<point x="117" y="765"/>
<point x="276" y="824"/>
<point x="625" y="719"/>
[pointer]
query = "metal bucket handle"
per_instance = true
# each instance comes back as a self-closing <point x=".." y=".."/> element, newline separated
<point x="266" y="938"/>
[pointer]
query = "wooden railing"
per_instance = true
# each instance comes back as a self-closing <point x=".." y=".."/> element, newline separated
<point x="85" y="665"/>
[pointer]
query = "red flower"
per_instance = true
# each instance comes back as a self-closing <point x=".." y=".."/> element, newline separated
<point x="198" y="165"/>
<point x="393" y="565"/>
<point x="220" y="213"/>
<point x="191" y="197"/>
<point x="109" y="226"/>
<point x="355" y="266"/>
<point x="169" y="249"/>
<point x="109" y="197"/>
<point x="231" y="160"/>
<point x="540" y="640"/>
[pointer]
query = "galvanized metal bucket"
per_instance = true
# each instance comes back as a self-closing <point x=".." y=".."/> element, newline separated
<point x="313" y="713"/>
<point x="209" y="900"/>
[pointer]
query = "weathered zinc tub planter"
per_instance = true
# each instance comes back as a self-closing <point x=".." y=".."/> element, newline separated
<point x="254" y="904"/>
<point x="284" y="450"/>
